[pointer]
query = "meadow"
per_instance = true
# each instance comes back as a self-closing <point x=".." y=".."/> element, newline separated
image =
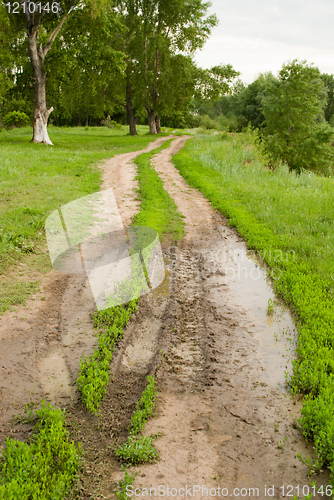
<point x="37" y="179"/>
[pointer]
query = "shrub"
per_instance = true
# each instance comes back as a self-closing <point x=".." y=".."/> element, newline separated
<point x="15" y="119"/>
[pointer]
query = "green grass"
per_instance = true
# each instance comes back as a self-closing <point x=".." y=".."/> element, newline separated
<point x="140" y="449"/>
<point x="94" y="370"/>
<point x="36" y="179"/>
<point x="46" y="467"/>
<point x="157" y="209"/>
<point x="288" y="220"/>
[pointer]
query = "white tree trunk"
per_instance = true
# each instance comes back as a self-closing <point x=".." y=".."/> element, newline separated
<point x="40" y="127"/>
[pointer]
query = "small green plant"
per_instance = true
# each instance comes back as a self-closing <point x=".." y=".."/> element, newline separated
<point x="314" y="466"/>
<point x="140" y="449"/>
<point x="271" y="307"/>
<point x="94" y="370"/>
<point x="280" y="444"/>
<point x="144" y="407"/>
<point x="45" y="468"/>
<point x="122" y="485"/>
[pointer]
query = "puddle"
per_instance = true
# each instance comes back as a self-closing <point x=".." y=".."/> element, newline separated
<point x="163" y="289"/>
<point x="241" y="273"/>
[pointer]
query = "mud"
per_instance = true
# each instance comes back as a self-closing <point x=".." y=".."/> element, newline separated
<point x="42" y="342"/>
<point x="225" y="418"/>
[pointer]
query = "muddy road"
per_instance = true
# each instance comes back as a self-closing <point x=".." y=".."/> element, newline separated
<point x="227" y="423"/>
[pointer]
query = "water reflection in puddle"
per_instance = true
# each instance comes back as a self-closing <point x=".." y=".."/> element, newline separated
<point x="246" y="280"/>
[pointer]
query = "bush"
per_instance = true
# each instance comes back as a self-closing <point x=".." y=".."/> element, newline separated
<point x="15" y="119"/>
<point x="108" y="122"/>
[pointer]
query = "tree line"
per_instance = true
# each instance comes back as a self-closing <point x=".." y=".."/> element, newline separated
<point x="294" y="113"/>
<point x="83" y="61"/>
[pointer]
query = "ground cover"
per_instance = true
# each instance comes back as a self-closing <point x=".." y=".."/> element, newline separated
<point x="35" y="180"/>
<point x="157" y="208"/>
<point x="287" y="219"/>
<point x="45" y="467"/>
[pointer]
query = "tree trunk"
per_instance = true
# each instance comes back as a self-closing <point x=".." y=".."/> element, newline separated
<point x="131" y="111"/>
<point x="157" y="123"/>
<point x="41" y="113"/>
<point x="151" y="119"/>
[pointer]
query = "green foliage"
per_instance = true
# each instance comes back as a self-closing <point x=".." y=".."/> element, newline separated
<point x="296" y="131"/>
<point x="287" y="219"/>
<point x="157" y="208"/>
<point x="122" y="485"/>
<point x="15" y="119"/>
<point x="140" y="449"/>
<point x="108" y="122"/>
<point x="144" y="407"/>
<point x="328" y="81"/>
<point x="45" y="468"/>
<point x="94" y="370"/>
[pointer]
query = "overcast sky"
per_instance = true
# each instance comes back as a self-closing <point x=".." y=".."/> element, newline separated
<point x="256" y="36"/>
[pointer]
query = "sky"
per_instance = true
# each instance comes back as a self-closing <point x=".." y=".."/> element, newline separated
<point x="257" y="36"/>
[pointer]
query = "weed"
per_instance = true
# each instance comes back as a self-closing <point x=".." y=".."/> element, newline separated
<point x="123" y="485"/>
<point x="140" y="449"/>
<point x="157" y="210"/>
<point x="271" y="307"/>
<point x="94" y="370"/>
<point x="280" y="444"/>
<point x="45" y="468"/>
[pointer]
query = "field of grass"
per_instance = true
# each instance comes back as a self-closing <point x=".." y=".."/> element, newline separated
<point x="288" y="220"/>
<point x="36" y="179"/>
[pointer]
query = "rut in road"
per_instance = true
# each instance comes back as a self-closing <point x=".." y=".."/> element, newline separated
<point x="223" y="423"/>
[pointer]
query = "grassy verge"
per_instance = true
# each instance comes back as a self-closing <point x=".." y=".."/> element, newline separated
<point x="37" y="179"/>
<point x="288" y="220"/>
<point x="45" y="468"/>
<point x="157" y="209"/>
<point x="139" y="449"/>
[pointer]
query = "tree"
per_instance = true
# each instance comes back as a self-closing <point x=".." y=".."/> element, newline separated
<point x="41" y="25"/>
<point x="329" y="109"/>
<point x="157" y="30"/>
<point x="6" y="57"/>
<point x="296" y="131"/>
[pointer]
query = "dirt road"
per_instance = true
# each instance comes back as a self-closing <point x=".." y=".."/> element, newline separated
<point x="226" y="423"/>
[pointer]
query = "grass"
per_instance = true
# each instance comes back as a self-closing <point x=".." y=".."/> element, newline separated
<point x="288" y="220"/>
<point x="157" y="209"/>
<point x="44" y="468"/>
<point x="140" y="449"/>
<point x="36" y="179"/>
<point x="94" y="370"/>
